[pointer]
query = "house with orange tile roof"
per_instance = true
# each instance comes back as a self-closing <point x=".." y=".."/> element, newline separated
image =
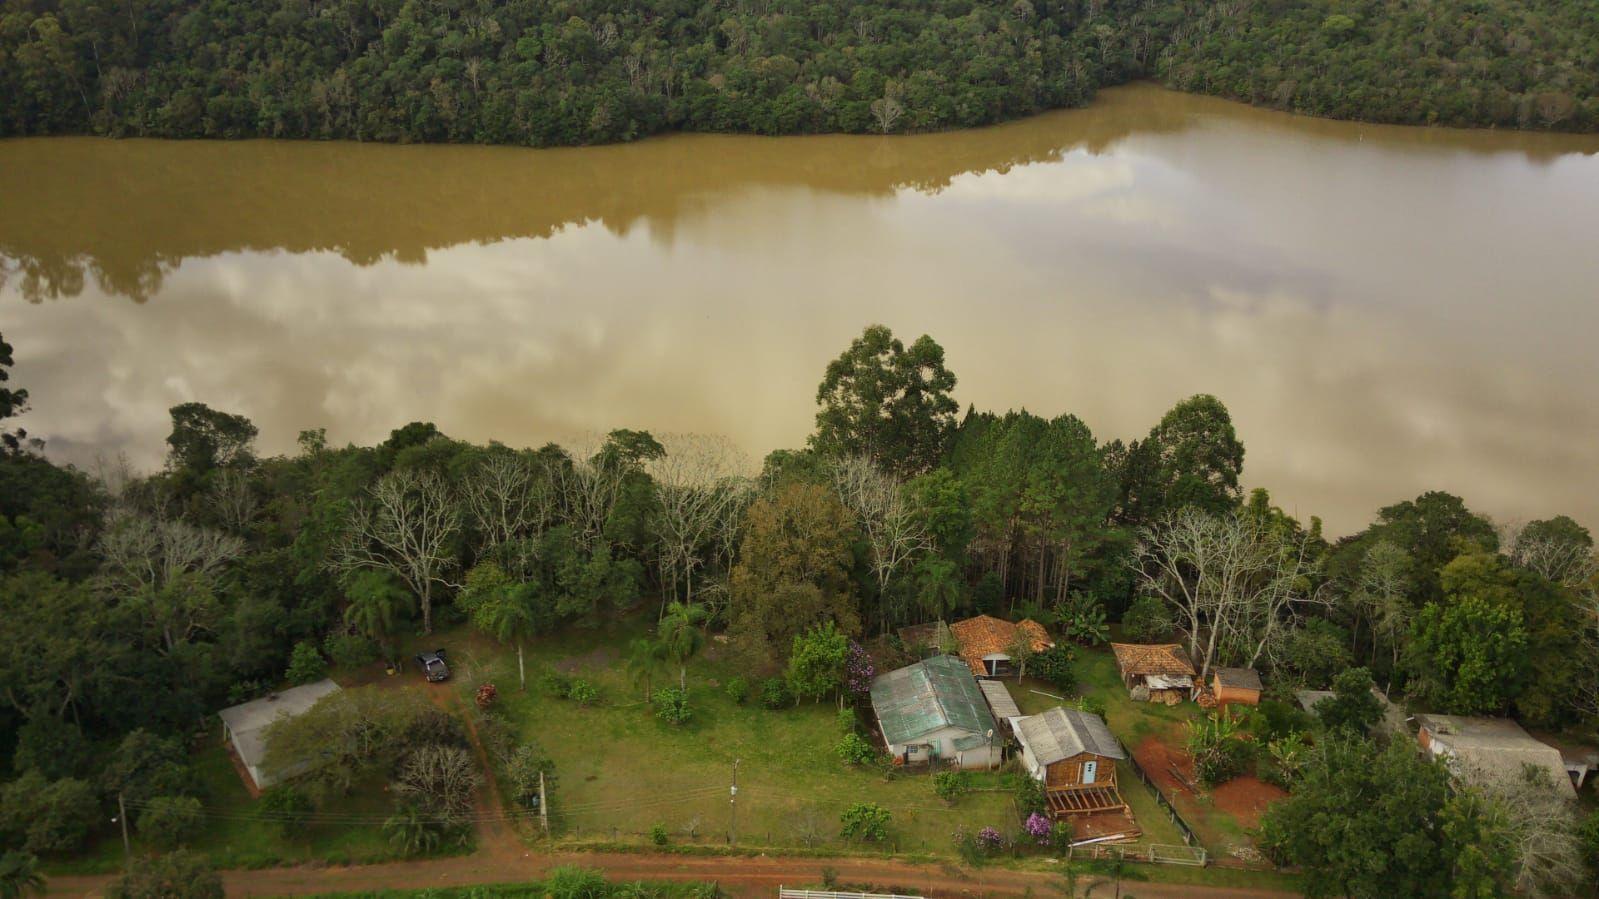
<point x="986" y="643"/>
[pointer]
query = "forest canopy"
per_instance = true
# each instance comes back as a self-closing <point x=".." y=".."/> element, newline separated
<point x="588" y="71"/>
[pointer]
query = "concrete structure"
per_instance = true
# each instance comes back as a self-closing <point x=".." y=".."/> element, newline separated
<point x="933" y="711"/>
<point x="1494" y="748"/>
<point x="986" y="642"/>
<point x="1074" y="754"/>
<point x="245" y="725"/>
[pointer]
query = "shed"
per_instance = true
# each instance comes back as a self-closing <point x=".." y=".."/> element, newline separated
<point x="1155" y="672"/>
<point x="1000" y="702"/>
<point x="1494" y="748"/>
<point x="986" y="642"/>
<point x="934" y="710"/>
<point x="1074" y="754"/>
<point x="1236" y="686"/>
<point x="244" y="726"/>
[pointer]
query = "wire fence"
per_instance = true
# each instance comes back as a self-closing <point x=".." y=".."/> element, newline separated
<point x="1189" y="837"/>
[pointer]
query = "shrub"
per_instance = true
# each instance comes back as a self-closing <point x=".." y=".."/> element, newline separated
<point x="172" y="875"/>
<point x="441" y="780"/>
<point x="774" y="693"/>
<point x="555" y="683"/>
<point x="582" y="692"/>
<point x="658" y="835"/>
<point x="1285" y="759"/>
<point x="39" y="815"/>
<point x="306" y="664"/>
<point x="865" y="821"/>
<point x="1093" y="705"/>
<point x="486" y="695"/>
<point x="522" y="770"/>
<point x="1030" y="798"/>
<point x="738" y="689"/>
<point x="1219" y="753"/>
<point x="990" y="839"/>
<point x="572" y="882"/>
<point x="1055" y="666"/>
<point x="951" y="785"/>
<point x="1039" y="828"/>
<point x="436" y="727"/>
<point x="350" y="650"/>
<point x="171" y="821"/>
<point x="671" y="706"/>
<point x="846" y="721"/>
<point x="1060" y="836"/>
<point x="409" y="832"/>
<point x="286" y="808"/>
<point x="967" y="848"/>
<point x="858" y="670"/>
<point x="854" y="749"/>
<point x="1147" y="620"/>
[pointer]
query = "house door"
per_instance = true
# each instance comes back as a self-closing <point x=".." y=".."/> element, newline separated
<point x="1090" y="771"/>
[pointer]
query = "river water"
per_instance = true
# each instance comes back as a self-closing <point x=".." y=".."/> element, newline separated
<point x="1384" y="310"/>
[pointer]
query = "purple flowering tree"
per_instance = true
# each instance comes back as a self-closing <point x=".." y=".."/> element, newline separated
<point x="858" y="670"/>
<point x="1039" y="828"/>
<point x="990" y="839"/>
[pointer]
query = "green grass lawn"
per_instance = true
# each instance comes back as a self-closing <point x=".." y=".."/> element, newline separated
<point x="621" y="771"/>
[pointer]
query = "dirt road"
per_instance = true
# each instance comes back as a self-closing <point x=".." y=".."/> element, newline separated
<point x="741" y="877"/>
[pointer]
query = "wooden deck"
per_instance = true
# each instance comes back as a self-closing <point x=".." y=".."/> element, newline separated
<point x="1084" y="801"/>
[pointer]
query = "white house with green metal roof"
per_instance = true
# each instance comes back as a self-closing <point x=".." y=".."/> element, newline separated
<point x="934" y="710"/>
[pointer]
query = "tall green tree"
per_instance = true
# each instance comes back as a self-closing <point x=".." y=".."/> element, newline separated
<point x="13" y="400"/>
<point x="376" y="603"/>
<point x="1193" y="457"/>
<point x="510" y="618"/>
<point x="203" y="438"/>
<point x="887" y="402"/>
<point x="1363" y="822"/>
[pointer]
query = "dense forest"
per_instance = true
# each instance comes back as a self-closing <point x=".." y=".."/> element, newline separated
<point x="138" y="604"/>
<point x="589" y="71"/>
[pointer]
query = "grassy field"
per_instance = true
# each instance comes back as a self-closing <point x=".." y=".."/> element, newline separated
<point x="621" y="771"/>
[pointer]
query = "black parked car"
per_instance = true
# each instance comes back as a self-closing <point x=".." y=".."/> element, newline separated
<point x="433" y="665"/>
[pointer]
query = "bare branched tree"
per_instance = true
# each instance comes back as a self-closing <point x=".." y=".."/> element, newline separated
<point x="406" y="526"/>
<point x="1234" y="581"/>
<point x="895" y="532"/>
<point x="441" y="780"/>
<point x="1537" y="818"/>
<point x="508" y="497"/>
<point x="166" y="568"/>
<point x="233" y="499"/>
<point x="698" y="481"/>
<point x="1566" y="562"/>
<point x="588" y="493"/>
<point x="144" y="552"/>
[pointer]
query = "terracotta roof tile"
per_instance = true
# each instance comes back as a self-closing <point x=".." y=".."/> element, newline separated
<point x="1140" y="659"/>
<point x="987" y="635"/>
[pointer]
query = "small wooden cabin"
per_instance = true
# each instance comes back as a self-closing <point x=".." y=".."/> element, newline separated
<point x="1235" y="686"/>
<point x="1074" y="754"/>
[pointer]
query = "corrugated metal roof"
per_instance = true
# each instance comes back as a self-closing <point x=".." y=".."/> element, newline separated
<point x="1061" y="733"/>
<point x="999" y="699"/>
<point x="939" y="692"/>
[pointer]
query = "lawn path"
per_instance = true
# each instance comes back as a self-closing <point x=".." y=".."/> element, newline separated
<point x="739" y="877"/>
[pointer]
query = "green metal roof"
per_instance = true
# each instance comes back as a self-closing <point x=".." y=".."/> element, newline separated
<point x="938" y="692"/>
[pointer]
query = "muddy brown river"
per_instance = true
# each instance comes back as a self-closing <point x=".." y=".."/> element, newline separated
<point x="1385" y="310"/>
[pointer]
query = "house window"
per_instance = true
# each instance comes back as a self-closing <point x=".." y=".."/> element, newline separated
<point x="1090" y="771"/>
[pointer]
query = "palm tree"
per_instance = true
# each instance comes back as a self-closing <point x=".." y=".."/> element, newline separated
<point x="375" y="606"/>
<point x="19" y="874"/>
<point x="681" y="636"/>
<point x="644" y="657"/>
<point x="509" y="619"/>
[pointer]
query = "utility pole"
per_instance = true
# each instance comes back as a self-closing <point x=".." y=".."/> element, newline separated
<point x="127" y="845"/>
<point x="732" y="807"/>
<point x="544" y="807"/>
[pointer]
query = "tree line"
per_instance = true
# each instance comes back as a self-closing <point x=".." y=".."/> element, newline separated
<point x="582" y="71"/>
<point x="138" y="604"/>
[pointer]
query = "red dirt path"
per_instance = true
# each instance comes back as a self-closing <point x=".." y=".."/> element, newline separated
<point x="740" y="877"/>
